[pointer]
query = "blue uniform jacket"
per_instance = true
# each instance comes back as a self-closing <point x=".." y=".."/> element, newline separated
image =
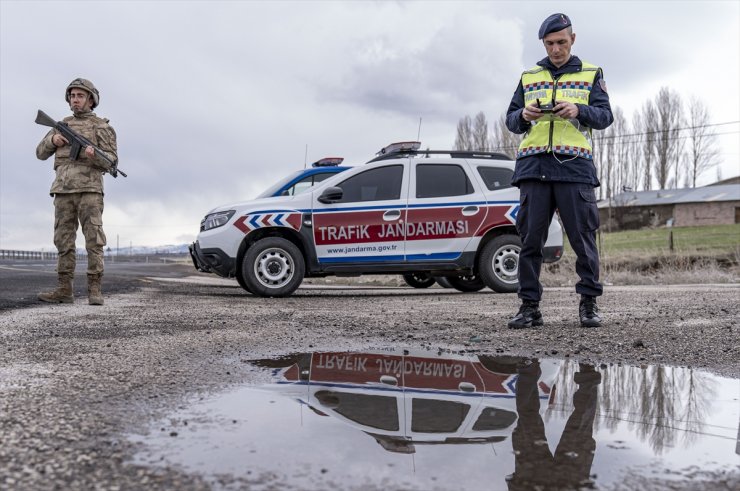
<point x="543" y="166"/>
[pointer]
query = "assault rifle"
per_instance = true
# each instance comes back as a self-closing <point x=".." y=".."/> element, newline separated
<point x="78" y="142"/>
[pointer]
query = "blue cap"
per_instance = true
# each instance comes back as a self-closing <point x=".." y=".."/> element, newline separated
<point x="554" y="23"/>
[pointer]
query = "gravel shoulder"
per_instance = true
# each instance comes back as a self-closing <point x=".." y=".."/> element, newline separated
<point x="74" y="379"/>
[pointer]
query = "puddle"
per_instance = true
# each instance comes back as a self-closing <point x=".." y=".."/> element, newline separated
<point x="394" y="419"/>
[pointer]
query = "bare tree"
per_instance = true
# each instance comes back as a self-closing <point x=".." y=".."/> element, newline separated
<point x="703" y="153"/>
<point x="502" y="140"/>
<point x="464" y="138"/>
<point x="667" y="144"/>
<point x="648" y="122"/>
<point x="620" y="151"/>
<point x="635" y="177"/>
<point x="480" y="133"/>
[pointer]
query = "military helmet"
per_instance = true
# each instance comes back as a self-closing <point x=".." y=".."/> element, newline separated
<point x="84" y="84"/>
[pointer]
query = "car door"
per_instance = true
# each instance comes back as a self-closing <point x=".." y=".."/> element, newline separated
<point x="367" y="224"/>
<point x="445" y="209"/>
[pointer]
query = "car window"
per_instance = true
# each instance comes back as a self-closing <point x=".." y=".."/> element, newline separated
<point x="494" y="418"/>
<point x="435" y="181"/>
<point x="496" y="178"/>
<point x="276" y="187"/>
<point x="436" y="416"/>
<point x="381" y="183"/>
<point x="307" y="183"/>
<point x="379" y="412"/>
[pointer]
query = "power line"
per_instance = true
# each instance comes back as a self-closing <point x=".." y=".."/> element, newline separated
<point x="600" y="138"/>
<point x="671" y="130"/>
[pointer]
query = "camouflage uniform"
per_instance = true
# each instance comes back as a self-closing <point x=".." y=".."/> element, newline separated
<point x="78" y="196"/>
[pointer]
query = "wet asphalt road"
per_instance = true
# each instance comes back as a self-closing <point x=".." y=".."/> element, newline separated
<point x="22" y="280"/>
<point x="75" y="380"/>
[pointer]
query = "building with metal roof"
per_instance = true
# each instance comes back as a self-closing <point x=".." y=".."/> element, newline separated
<point x="709" y="205"/>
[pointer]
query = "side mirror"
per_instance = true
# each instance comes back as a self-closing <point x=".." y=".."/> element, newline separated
<point x="331" y="195"/>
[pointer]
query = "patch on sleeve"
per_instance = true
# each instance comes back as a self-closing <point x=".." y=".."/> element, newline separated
<point x="602" y="84"/>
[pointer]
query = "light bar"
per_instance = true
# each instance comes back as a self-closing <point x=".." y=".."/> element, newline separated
<point x="328" y="162"/>
<point x="400" y="147"/>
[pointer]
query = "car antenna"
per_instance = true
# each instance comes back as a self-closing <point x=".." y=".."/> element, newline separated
<point x="418" y="133"/>
<point x="305" y="157"/>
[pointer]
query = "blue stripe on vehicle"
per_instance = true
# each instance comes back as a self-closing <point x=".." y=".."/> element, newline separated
<point x="360" y="208"/>
<point x="386" y="388"/>
<point x="361" y="259"/>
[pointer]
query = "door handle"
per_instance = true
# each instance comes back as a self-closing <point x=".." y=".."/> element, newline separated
<point x="388" y="380"/>
<point x="391" y="215"/>
<point x="466" y="387"/>
<point x="470" y="210"/>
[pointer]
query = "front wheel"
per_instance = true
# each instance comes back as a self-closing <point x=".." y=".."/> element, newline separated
<point x="498" y="264"/>
<point x="418" y="280"/>
<point x="273" y="267"/>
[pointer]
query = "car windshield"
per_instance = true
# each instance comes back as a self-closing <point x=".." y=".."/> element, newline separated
<point x="275" y="187"/>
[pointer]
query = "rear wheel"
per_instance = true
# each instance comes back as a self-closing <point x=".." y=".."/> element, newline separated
<point x="273" y="267"/>
<point x="466" y="283"/>
<point x="443" y="281"/>
<point x="499" y="263"/>
<point x="418" y="280"/>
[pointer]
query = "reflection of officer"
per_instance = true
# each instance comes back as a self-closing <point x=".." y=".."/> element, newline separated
<point x="557" y="103"/>
<point x="78" y="192"/>
<point x="534" y="466"/>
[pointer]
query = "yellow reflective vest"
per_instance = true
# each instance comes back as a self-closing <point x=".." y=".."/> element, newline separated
<point x="550" y="133"/>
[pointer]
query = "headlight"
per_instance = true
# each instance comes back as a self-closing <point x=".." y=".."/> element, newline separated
<point x="216" y="220"/>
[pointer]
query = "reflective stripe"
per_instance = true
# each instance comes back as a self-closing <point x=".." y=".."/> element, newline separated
<point x="551" y="133"/>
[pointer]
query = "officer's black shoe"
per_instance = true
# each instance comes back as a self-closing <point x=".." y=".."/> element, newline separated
<point x="589" y="312"/>
<point x="529" y="315"/>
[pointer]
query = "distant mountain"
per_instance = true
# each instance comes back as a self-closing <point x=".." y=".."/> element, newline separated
<point x="143" y="250"/>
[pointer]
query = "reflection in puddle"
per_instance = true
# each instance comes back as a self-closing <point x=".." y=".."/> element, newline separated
<point x="395" y="419"/>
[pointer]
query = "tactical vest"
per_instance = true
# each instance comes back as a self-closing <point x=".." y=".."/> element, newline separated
<point x="550" y="133"/>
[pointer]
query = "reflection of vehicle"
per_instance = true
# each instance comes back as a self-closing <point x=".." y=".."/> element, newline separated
<point x="443" y="213"/>
<point x="404" y="398"/>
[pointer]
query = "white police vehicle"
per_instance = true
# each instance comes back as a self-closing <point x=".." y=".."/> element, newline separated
<point x="444" y="213"/>
<point x="404" y="398"/>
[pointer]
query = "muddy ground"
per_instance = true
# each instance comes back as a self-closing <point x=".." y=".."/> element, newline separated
<point x="75" y="379"/>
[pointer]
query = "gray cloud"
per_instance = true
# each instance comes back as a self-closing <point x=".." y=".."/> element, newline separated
<point x="212" y="101"/>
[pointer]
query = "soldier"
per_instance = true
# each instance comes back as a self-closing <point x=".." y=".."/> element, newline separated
<point x="78" y="192"/>
<point x="557" y="103"/>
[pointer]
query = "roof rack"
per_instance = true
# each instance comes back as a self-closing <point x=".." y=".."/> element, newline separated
<point x="455" y="154"/>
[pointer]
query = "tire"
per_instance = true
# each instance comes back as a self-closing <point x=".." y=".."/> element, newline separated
<point x="273" y="267"/>
<point x="443" y="281"/>
<point x="240" y="280"/>
<point x="466" y="283"/>
<point x="418" y="280"/>
<point x="498" y="263"/>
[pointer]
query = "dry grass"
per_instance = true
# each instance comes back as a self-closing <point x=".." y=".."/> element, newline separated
<point x="663" y="269"/>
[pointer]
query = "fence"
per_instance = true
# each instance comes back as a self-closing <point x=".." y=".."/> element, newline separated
<point x="9" y="254"/>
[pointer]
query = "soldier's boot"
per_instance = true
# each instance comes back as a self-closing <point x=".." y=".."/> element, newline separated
<point x="94" y="293"/>
<point x="529" y="315"/>
<point x="63" y="292"/>
<point x="588" y="312"/>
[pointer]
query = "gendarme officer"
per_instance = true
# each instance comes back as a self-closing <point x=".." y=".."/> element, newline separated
<point x="556" y="104"/>
<point x="78" y="192"/>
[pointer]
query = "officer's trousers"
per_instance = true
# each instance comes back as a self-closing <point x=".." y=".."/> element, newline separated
<point x="579" y="215"/>
<point x="70" y="210"/>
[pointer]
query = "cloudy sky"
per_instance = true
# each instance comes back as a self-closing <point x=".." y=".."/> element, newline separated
<point x="213" y="101"/>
